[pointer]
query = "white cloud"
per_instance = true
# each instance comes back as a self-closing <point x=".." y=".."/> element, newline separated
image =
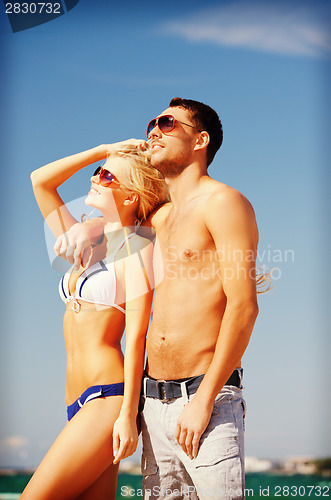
<point x="14" y="442"/>
<point x="14" y="451"/>
<point x="20" y="452"/>
<point x="284" y="28"/>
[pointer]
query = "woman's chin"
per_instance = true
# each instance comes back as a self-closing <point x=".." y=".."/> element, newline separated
<point x="90" y="202"/>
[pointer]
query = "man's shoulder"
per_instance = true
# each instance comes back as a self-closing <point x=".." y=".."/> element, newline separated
<point x="221" y="195"/>
<point x="227" y="208"/>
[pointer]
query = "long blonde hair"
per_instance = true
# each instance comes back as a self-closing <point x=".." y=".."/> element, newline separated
<point x="144" y="179"/>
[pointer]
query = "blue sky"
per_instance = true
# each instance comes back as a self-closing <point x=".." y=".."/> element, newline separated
<point x="98" y="74"/>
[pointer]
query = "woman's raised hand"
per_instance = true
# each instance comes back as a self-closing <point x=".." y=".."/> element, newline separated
<point x="139" y="143"/>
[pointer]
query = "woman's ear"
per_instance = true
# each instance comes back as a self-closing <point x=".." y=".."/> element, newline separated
<point x="131" y="199"/>
<point x="202" y="141"/>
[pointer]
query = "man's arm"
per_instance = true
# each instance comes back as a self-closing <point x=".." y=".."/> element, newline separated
<point x="76" y="244"/>
<point x="231" y="222"/>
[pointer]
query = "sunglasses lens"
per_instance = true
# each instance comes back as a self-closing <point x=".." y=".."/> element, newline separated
<point x="96" y="171"/>
<point x="150" y="127"/>
<point x="166" y="123"/>
<point x="106" y="177"/>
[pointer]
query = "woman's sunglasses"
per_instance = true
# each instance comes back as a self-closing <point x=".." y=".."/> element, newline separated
<point x="106" y="177"/>
<point x="166" y="123"/>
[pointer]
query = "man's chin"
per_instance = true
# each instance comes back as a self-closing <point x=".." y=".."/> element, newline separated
<point x="157" y="165"/>
<point x="168" y="170"/>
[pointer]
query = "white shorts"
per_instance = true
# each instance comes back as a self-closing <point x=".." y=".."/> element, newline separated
<point x="218" y="470"/>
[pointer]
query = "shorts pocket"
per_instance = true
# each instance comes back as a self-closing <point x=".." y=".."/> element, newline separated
<point x="214" y="451"/>
<point x="228" y="393"/>
<point x="148" y="468"/>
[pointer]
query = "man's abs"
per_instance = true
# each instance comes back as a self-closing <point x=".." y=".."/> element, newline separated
<point x="184" y="331"/>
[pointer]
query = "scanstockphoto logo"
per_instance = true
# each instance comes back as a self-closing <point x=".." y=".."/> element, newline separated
<point x="24" y="15"/>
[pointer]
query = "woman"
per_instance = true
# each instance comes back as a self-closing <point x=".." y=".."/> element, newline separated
<point x="101" y="429"/>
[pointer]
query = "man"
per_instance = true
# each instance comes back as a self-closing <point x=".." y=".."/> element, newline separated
<point x="205" y="307"/>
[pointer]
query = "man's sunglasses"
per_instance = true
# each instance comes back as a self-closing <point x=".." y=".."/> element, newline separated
<point x="166" y="123"/>
<point x="106" y="177"/>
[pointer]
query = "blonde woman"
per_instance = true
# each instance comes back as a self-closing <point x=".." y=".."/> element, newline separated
<point x="113" y="293"/>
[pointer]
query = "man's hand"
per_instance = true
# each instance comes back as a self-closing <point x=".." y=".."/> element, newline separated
<point x="191" y="424"/>
<point x="75" y="245"/>
<point x="125" y="438"/>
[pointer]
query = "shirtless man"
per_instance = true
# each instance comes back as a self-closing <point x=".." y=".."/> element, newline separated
<point x="205" y="307"/>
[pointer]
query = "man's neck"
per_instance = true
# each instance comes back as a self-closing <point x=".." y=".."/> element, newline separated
<point x="186" y="185"/>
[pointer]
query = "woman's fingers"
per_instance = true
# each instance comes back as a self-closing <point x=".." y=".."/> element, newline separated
<point x="126" y="448"/>
<point x="116" y="445"/>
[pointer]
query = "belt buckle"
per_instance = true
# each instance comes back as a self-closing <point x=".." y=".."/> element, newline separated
<point x="161" y="391"/>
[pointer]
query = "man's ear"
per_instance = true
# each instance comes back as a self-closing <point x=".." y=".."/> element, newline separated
<point x="202" y="141"/>
<point x="131" y="199"/>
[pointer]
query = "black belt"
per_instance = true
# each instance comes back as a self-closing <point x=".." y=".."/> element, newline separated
<point x="170" y="389"/>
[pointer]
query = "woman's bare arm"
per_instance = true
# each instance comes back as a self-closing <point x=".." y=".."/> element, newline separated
<point x="47" y="179"/>
<point x="139" y="293"/>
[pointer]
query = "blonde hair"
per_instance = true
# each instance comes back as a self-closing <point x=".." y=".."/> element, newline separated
<point x="144" y="179"/>
<point x="263" y="280"/>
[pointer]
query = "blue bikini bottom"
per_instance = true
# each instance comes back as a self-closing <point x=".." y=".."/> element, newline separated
<point x="96" y="391"/>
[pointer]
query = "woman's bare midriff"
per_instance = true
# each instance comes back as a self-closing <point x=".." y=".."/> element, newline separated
<point x="93" y="342"/>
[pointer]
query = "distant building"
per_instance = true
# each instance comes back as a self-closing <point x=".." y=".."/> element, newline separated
<point x="253" y="464"/>
<point x="299" y="465"/>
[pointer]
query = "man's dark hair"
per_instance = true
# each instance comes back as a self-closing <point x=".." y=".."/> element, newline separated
<point x="204" y="118"/>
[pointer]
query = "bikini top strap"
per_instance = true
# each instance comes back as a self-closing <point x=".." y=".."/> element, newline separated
<point x="120" y="245"/>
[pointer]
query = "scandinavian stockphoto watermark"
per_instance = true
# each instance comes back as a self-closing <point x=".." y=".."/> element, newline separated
<point x="179" y="263"/>
<point x="26" y="14"/>
<point x="225" y="263"/>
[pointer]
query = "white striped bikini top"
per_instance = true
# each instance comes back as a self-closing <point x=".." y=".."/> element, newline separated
<point x="96" y="285"/>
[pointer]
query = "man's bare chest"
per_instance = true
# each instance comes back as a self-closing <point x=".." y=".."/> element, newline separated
<point x="184" y="238"/>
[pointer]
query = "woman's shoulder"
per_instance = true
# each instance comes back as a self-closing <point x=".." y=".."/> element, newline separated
<point x="140" y="241"/>
<point x="135" y="243"/>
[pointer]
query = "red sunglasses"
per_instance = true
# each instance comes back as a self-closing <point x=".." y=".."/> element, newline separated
<point x="166" y="123"/>
<point x="106" y="177"/>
